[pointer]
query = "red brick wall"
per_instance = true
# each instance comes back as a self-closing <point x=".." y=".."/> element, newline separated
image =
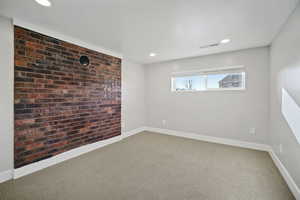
<point x="59" y="103"/>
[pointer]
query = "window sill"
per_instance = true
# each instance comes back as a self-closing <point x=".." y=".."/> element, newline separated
<point x="209" y="90"/>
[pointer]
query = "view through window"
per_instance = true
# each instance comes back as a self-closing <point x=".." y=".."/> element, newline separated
<point x="213" y="80"/>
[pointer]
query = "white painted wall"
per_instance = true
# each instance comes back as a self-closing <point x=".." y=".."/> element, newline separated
<point x="147" y="98"/>
<point x="6" y="98"/>
<point x="285" y="74"/>
<point x="133" y="96"/>
<point x="225" y="114"/>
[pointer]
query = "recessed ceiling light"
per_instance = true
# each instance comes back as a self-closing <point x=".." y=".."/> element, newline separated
<point x="225" y="41"/>
<point x="152" y="54"/>
<point x="45" y="3"/>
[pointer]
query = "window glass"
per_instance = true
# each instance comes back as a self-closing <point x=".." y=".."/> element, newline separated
<point x="213" y="80"/>
<point x="189" y="83"/>
<point x="232" y="80"/>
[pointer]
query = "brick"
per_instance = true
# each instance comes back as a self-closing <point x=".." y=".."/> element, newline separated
<point x="59" y="104"/>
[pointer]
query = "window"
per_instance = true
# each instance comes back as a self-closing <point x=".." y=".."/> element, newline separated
<point x="219" y="79"/>
<point x="291" y="112"/>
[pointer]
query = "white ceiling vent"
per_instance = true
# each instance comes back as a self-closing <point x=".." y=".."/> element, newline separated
<point x="210" y="45"/>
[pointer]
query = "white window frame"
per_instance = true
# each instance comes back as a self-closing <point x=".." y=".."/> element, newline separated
<point x="205" y="72"/>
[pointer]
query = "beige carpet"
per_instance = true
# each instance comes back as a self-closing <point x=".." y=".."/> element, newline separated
<point x="151" y="166"/>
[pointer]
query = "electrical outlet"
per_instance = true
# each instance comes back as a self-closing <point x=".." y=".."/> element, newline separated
<point x="164" y="122"/>
<point x="252" y="131"/>
<point x="280" y="149"/>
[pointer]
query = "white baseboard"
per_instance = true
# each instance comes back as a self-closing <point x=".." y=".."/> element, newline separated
<point x="34" y="167"/>
<point x="286" y="175"/>
<point x="195" y="136"/>
<point x="17" y="173"/>
<point x="262" y="147"/>
<point x="37" y="166"/>
<point x="6" y="175"/>
<point x="133" y="132"/>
